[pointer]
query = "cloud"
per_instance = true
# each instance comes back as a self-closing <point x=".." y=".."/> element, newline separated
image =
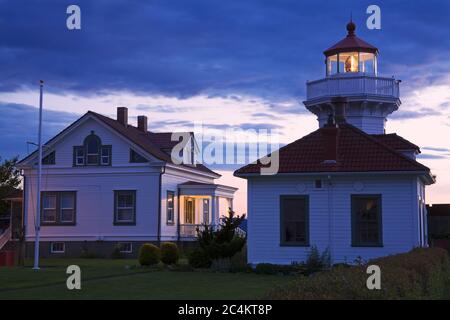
<point x="186" y="48"/>
<point x="424" y="112"/>
<point x="436" y="149"/>
<point x="431" y="156"/>
<point x="19" y="125"/>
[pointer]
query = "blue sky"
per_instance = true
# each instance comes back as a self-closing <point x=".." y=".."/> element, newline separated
<point x="238" y="63"/>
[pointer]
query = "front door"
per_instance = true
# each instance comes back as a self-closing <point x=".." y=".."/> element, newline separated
<point x="189" y="211"/>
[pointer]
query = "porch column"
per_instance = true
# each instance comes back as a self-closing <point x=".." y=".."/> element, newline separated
<point x="213" y="210"/>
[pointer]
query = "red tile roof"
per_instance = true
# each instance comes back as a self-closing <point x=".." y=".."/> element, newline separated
<point x="357" y="151"/>
<point x="396" y="142"/>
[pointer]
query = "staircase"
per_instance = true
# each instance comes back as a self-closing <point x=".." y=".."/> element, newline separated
<point x="5" y="237"/>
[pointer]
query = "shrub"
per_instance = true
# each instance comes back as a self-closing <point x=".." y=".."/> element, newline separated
<point x="316" y="261"/>
<point x="268" y="268"/>
<point x="169" y="253"/>
<point x="149" y="254"/>
<point x="199" y="259"/>
<point x="418" y="274"/>
<point x="223" y="243"/>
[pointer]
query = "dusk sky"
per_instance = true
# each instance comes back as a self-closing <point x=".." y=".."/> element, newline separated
<point x="223" y="63"/>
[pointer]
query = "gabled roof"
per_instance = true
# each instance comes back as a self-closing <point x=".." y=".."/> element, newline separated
<point x="158" y="145"/>
<point x="356" y="151"/>
<point x="396" y="142"/>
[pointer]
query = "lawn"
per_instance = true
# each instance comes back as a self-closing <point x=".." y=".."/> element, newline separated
<point x="121" y="279"/>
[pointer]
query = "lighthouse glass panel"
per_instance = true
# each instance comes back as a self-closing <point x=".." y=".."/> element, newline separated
<point x="332" y="65"/>
<point x="367" y="63"/>
<point x="348" y="62"/>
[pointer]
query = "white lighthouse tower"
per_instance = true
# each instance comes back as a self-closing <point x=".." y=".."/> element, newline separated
<point x="352" y="89"/>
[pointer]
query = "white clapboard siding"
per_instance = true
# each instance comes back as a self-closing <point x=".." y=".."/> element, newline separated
<point x="399" y="214"/>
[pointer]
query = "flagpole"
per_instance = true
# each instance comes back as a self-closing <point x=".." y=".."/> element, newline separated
<point x="37" y="224"/>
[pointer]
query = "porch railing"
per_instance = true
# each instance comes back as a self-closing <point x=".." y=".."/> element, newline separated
<point x="353" y="85"/>
<point x="5" y="237"/>
<point x="190" y="230"/>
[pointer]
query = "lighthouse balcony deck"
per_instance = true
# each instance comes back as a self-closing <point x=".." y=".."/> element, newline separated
<point x="353" y="85"/>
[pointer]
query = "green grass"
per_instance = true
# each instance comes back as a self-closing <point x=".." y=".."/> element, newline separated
<point x="122" y="279"/>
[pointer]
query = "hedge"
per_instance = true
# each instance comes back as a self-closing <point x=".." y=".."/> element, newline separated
<point x="419" y="274"/>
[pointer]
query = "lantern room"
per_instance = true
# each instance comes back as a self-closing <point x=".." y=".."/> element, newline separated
<point x="351" y="55"/>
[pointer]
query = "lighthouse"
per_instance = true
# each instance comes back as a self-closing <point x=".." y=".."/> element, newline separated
<point x="352" y="89"/>
<point x="348" y="188"/>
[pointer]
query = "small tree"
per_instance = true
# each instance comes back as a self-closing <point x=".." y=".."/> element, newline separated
<point x="223" y="243"/>
<point x="9" y="180"/>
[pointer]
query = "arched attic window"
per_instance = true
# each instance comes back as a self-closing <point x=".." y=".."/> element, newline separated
<point x="92" y="152"/>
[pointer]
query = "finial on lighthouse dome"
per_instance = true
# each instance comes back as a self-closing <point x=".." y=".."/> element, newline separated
<point x="351" y="27"/>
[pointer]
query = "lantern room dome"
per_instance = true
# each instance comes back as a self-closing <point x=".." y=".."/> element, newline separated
<point x="351" y="43"/>
<point x="351" y="55"/>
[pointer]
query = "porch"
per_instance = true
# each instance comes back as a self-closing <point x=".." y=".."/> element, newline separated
<point x="202" y="204"/>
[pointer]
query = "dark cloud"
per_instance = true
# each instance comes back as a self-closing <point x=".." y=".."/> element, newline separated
<point x="183" y="48"/>
<point x="19" y="125"/>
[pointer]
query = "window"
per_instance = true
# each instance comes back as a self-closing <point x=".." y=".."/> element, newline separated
<point x="49" y="208"/>
<point x="136" y="157"/>
<point x="294" y="212"/>
<point x="67" y="207"/>
<point x="366" y="221"/>
<point x="125" y="207"/>
<point x="79" y="156"/>
<point x="92" y="152"/>
<point x="57" y="247"/>
<point x="58" y="208"/>
<point x="106" y="156"/>
<point x="92" y="146"/>
<point x="125" y="247"/>
<point x="49" y="159"/>
<point x="170" y="207"/>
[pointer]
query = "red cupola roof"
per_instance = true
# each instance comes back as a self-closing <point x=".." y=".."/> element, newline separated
<point x="350" y="43"/>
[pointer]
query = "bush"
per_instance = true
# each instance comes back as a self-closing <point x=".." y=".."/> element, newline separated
<point x="199" y="259"/>
<point x="316" y="261"/>
<point x="268" y="268"/>
<point x="418" y="274"/>
<point x="149" y="254"/>
<point x="169" y="253"/>
<point x="221" y="244"/>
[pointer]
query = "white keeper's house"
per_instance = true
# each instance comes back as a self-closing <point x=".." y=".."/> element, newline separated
<point x="349" y="186"/>
<point x="107" y="183"/>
